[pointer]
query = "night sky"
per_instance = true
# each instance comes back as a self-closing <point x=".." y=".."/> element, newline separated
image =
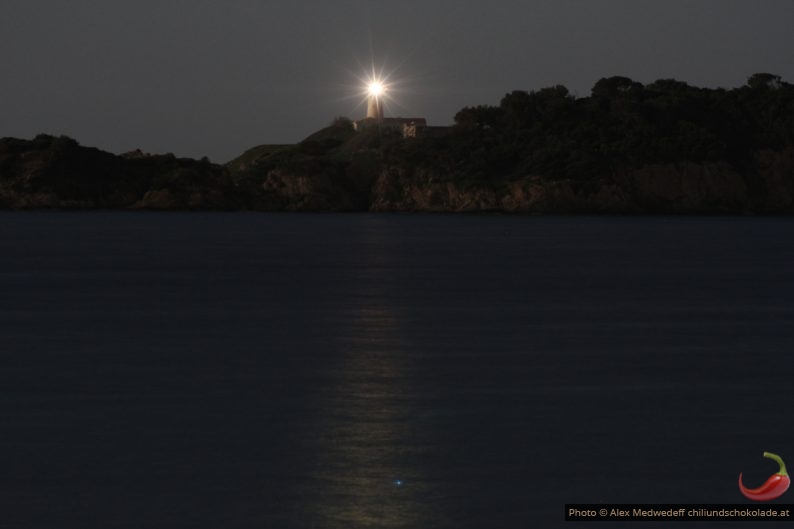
<point x="199" y="77"/>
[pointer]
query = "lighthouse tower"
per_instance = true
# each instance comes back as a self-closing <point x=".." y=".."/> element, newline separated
<point x="407" y="127"/>
<point x="374" y="103"/>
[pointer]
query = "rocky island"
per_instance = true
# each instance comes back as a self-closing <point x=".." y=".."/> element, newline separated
<point x="663" y="148"/>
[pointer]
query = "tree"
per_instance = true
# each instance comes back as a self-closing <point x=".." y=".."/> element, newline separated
<point x="670" y="86"/>
<point x="764" y="81"/>
<point x="479" y="117"/>
<point x="609" y="87"/>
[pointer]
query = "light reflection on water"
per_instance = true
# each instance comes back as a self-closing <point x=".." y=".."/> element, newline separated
<point x="283" y="371"/>
<point x="366" y="446"/>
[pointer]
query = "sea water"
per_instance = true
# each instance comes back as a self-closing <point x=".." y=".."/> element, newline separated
<point x="217" y="370"/>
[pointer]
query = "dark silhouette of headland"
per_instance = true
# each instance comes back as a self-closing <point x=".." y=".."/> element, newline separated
<point x="665" y="147"/>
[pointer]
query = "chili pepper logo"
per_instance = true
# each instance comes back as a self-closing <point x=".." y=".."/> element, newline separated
<point x="774" y="487"/>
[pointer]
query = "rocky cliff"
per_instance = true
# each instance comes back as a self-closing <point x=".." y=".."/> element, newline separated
<point x="717" y="187"/>
<point x="58" y="173"/>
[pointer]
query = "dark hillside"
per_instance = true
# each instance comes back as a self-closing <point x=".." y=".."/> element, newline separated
<point x="664" y="147"/>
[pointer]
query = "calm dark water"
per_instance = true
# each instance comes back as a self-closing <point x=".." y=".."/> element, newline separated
<point x="377" y="371"/>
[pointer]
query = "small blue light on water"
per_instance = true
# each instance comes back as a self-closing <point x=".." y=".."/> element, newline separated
<point x="398" y="482"/>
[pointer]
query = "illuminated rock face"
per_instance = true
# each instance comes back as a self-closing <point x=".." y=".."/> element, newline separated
<point x="374" y="108"/>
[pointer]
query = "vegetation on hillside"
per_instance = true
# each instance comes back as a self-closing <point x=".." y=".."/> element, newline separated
<point x="664" y="146"/>
<point x="51" y="171"/>
<point x="551" y="133"/>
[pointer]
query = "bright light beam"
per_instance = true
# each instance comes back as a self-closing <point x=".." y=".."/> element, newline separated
<point x="376" y="88"/>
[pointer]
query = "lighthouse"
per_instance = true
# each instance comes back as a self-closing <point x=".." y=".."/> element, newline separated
<point x="374" y="103"/>
<point x="405" y="127"/>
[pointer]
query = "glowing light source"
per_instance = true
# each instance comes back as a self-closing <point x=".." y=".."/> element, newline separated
<point x="376" y="88"/>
